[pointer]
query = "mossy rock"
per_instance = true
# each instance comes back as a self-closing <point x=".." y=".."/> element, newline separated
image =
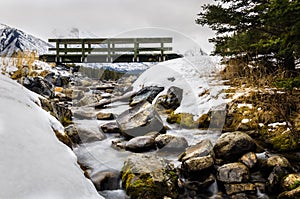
<point x="185" y="120"/>
<point x="149" y="177"/>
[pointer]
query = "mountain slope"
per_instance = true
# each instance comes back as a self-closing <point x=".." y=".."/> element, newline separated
<point x="12" y="40"/>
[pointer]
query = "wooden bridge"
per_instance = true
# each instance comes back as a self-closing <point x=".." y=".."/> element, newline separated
<point x="110" y="50"/>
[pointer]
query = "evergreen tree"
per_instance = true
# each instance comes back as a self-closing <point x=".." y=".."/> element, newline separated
<point x="256" y="31"/>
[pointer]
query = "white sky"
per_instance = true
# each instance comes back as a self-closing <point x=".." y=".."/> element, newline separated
<point x="109" y="18"/>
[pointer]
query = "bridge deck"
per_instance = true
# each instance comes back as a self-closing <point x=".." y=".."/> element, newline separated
<point x="104" y="50"/>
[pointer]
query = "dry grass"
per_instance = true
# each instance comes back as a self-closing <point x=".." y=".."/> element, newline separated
<point x="20" y="60"/>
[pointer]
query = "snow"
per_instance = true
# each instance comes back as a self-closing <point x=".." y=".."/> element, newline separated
<point x="250" y="106"/>
<point x="34" y="164"/>
<point x="244" y="121"/>
<point x="121" y="67"/>
<point x="274" y="125"/>
<point x="12" y="39"/>
<point x="202" y="90"/>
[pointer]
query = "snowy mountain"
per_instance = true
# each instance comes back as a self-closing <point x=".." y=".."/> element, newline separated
<point x="12" y="40"/>
<point x="72" y="33"/>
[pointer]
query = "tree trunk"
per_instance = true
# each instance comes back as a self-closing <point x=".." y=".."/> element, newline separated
<point x="289" y="64"/>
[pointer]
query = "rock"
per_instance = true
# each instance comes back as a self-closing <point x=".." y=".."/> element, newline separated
<point x="171" y="143"/>
<point x="198" y="163"/>
<point x="107" y="180"/>
<point x="201" y="149"/>
<point x="111" y="127"/>
<point x="140" y="144"/>
<point x="204" y="121"/>
<point x="249" y="159"/>
<point x="199" y="185"/>
<point x="293" y="194"/>
<point x="83" y="115"/>
<point x="172" y="99"/>
<point x="79" y="134"/>
<point x="149" y="177"/>
<point x="153" y="134"/>
<point x="275" y="177"/>
<point x="239" y="188"/>
<point x="62" y="81"/>
<point x="231" y="146"/>
<point x="139" y="121"/>
<point x="233" y="173"/>
<point x="104" y="116"/>
<point x="240" y="196"/>
<point x="88" y="99"/>
<point x="39" y="86"/>
<point x="145" y="94"/>
<point x="278" y="161"/>
<point x="73" y="94"/>
<point x="291" y="181"/>
<point x="60" y="112"/>
<point x="185" y="120"/>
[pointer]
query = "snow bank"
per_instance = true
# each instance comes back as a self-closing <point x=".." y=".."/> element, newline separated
<point x="34" y="164"/>
<point x="194" y="75"/>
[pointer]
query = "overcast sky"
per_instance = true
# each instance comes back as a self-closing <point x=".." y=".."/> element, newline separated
<point x="109" y="18"/>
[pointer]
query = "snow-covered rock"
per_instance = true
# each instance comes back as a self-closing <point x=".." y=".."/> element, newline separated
<point x="12" y="40"/>
<point x="34" y="164"/>
<point x="201" y="90"/>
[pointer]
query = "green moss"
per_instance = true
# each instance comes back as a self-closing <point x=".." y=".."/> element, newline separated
<point x="65" y="121"/>
<point x="288" y="83"/>
<point x="284" y="141"/>
<point x="295" y="185"/>
<point x="186" y="120"/>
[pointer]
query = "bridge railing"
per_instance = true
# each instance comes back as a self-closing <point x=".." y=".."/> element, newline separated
<point x="109" y="49"/>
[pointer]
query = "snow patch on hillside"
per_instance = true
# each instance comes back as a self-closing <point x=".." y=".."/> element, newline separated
<point x="34" y="164"/>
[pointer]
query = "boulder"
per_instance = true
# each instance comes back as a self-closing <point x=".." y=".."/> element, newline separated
<point x="198" y="164"/>
<point x="249" y="159"/>
<point x="291" y="181"/>
<point x="107" y="180"/>
<point x="79" y="134"/>
<point x="172" y="99"/>
<point x="201" y="149"/>
<point x="83" y="115"/>
<point x="149" y="177"/>
<point x="275" y="177"/>
<point x="199" y="186"/>
<point x="171" y="143"/>
<point x="233" y="173"/>
<point x="145" y="94"/>
<point x="231" y="146"/>
<point x="295" y="193"/>
<point x="240" y="188"/>
<point x="104" y="116"/>
<point x="139" y="121"/>
<point x="39" y="85"/>
<point x="140" y="144"/>
<point x="111" y="127"/>
<point x="88" y="100"/>
<point x="278" y="161"/>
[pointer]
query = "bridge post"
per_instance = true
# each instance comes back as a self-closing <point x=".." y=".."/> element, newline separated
<point x="136" y="51"/>
<point x="162" y="51"/>
<point x="82" y="51"/>
<point x="108" y="58"/>
<point x="57" y="52"/>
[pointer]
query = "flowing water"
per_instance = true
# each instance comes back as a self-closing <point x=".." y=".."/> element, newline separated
<point x="101" y="156"/>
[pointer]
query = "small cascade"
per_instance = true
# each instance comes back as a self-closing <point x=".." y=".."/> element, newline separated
<point x="261" y="195"/>
<point x="214" y="190"/>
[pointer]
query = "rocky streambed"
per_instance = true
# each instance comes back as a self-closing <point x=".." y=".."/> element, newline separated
<point x="133" y="143"/>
